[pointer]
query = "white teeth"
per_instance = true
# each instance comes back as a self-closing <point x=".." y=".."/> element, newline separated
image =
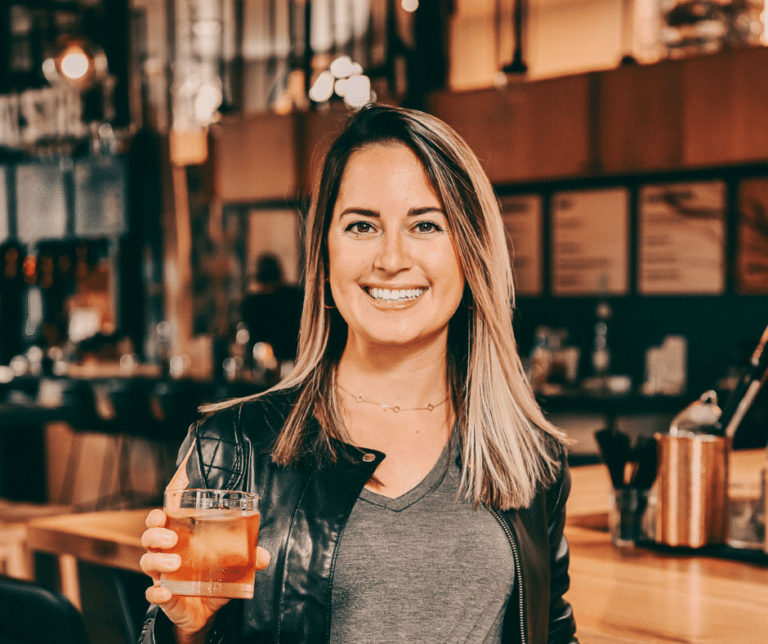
<point x="402" y="294"/>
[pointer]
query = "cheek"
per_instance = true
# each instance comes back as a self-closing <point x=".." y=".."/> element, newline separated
<point x="344" y="271"/>
<point x="449" y="267"/>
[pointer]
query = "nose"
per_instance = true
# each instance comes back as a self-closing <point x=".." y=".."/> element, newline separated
<point x="393" y="254"/>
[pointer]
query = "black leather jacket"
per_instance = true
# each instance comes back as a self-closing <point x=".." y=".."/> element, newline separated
<point x="303" y="512"/>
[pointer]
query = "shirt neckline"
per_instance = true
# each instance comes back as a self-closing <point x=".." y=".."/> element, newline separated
<point x="428" y="484"/>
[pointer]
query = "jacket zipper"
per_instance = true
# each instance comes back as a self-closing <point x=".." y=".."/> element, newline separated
<point x="518" y="572"/>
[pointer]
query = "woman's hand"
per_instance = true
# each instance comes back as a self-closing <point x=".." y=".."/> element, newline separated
<point x="192" y="616"/>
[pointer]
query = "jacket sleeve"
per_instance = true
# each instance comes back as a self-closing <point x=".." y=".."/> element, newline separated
<point x="562" y="625"/>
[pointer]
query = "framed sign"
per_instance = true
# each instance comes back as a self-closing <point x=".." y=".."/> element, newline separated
<point x="522" y="215"/>
<point x="100" y="196"/>
<point x="590" y="232"/>
<point x="682" y="238"/>
<point x="5" y="224"/>
<point x="41" y="202"/>
<point x="752" y="237"/>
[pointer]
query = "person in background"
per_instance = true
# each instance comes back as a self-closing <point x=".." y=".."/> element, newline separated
<point x="412" y="490"/>
<point x="273" y="312"/>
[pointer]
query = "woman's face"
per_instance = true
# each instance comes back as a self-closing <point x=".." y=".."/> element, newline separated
<point x="393" y="269"/>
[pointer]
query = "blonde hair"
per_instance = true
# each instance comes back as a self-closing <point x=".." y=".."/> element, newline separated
<point x="503" y="434"/>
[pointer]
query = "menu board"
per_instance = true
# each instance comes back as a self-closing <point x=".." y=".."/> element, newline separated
<point x="4" y="214"/>
<point x="41" y="203"/>
<point x="100" y="196"/>
<point x="682" y="238"/>
<point x="522" y="215"/>
<point x="590" y="231"/>
<point x="752" y="254"/>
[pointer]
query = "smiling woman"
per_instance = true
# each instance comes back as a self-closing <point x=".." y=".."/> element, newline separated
<point x="393" y="270"/>
<point x="406" y="428"/>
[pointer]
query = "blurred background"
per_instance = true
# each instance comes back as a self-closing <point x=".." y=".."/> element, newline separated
<point x="155" y="165"/>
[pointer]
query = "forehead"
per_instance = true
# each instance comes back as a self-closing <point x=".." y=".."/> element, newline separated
<point x="389" y="162"/>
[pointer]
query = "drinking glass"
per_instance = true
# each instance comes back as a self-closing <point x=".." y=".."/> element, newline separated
<point x="218" y="533"/>
<point x="626" y="517"/>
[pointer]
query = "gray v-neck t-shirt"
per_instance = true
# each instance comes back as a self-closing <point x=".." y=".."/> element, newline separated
<point x="422" y="568"/>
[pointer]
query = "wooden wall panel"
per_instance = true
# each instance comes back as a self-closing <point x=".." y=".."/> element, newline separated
<point x="524" y="131"/>
<point x="725" y="114"/>
<point x="639" y="124"/>
<point x="254" y="158"/>
<point x="490" y="123"/>
<point x="559" y="127"/>
<point x="698" y="112"/>
<point x="317" y="130"/>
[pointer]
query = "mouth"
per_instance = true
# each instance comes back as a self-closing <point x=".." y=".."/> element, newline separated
<point x="395" y="295"/>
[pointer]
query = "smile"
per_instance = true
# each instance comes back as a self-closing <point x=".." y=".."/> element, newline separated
<point x="399" y="295"/>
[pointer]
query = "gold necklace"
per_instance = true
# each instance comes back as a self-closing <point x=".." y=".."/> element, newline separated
<point x="395" y="408"/>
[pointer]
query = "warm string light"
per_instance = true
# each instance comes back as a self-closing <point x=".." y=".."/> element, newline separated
<point x="344" y="77"/>
<point x="76" y="61"/>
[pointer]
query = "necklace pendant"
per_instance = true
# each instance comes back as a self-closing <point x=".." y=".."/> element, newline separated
<point x="430" y="407"/>
<point x="359" y="398"/>
<point x="396" y="409"/>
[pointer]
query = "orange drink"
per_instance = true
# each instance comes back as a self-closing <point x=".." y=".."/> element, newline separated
<point x="218" y="532"/>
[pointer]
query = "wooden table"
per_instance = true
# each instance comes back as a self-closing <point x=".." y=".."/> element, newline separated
<point x="619" y="596"/>
<point x="110" y="538"/>
<point x="645" y="596"/>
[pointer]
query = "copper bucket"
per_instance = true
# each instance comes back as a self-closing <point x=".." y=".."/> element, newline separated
<point x="692" y="489"/>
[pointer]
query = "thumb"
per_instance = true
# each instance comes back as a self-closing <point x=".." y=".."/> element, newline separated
<point x="262" y="558"/>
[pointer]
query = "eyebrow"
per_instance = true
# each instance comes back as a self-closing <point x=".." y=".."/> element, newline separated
<point x="413" y="212"/>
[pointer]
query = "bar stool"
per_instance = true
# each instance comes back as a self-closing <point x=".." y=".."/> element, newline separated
<point x="123" y="404"/>
<point x="79" y="395"/>
<point x="155" y="413"/>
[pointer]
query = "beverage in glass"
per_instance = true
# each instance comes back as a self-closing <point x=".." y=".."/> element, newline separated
<point x="218" y="533"/>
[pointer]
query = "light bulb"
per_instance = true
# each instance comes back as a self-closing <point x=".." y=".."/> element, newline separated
<point x="342" y="67"/>
<point x="75" y="61"/>
<point x="74" y="64"/>
<point x="322" y="88"/>
<point x="357" y="91"/>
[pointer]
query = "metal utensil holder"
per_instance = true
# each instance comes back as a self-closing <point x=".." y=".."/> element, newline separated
<point x="692" y="489"/>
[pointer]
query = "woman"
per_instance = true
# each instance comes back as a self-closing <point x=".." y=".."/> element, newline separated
<point x="412" y="490"/>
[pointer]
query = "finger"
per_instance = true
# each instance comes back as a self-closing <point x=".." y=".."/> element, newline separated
<point x="154" y="538"/>
<point x="158" y="595"/>
<point x="155" y="519"/>
<point x="154" y="563"/>
<point x="262" y="558"/>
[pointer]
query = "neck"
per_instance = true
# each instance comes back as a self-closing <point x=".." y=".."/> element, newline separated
<point x="406" y="378"/>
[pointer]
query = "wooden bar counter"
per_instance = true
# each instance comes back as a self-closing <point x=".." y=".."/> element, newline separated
<point x="619" y="595"/>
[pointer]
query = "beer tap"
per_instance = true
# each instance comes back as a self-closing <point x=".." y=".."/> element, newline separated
<point x="746" y="390"/>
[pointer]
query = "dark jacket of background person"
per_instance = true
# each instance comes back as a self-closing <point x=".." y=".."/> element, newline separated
<point x="303" y="513"/>
<point x="273" y="313"/>
<point x="274" y="318"/>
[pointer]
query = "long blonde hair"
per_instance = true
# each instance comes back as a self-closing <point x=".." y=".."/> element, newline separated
<point x="502" y="431"/>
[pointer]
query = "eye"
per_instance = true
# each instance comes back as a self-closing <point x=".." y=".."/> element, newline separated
<point x="360" y="227"/>
<point x="427" y="227"/>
